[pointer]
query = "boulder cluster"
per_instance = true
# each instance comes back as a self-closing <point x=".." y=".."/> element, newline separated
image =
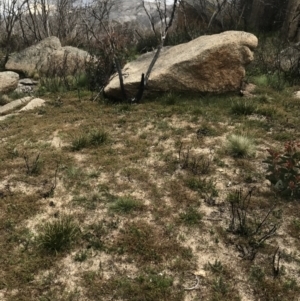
<point x="210" y="63"/>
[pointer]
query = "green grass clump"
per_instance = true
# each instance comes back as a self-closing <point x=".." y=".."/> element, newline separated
<point x="240" y="146"/>
<point x="191" y="217"/>
<point x="97" y="137"/>
<point x="243" y="108"/>
<point x="92" y="139"/>
<point x="79" y="143"/>
<point x="126" y="205"/>
<point x="58" y="235"/>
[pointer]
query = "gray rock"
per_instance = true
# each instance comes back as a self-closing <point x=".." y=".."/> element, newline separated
<point x="8" y="81"/>
<point x="297" y="94"/>
<point x="289" y="58"/>
<point x="128" y="11"/>
<point x="28" y="82"/>
<point x="24" y="89"/>
<point x="213" y="63"/>
<point x="47" y="56"/>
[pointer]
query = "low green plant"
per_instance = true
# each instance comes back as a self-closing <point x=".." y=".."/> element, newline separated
<point x="32" y="167"/>
<point x="81" y="256"/>
<point x="220" y="286"/>
<point x="95" y="234"/>
<point x="97" y="137"/>
<point x="58" y="235"/>
<point x="294" y="228"/>
<point x="89" y="201"/>
<point x="242" y="108"/>
<point x="260" y="80"/>
<point x="92" y="139"/>
<point x="283" y="170"/>
<point x="191" y="217"/>
<point x="126" y="205"/>
<point x="257" y="273"/>
<point x="240" y="146"/>
<point x="146" y="286"/>
<point x="205" y="187"/>
<point x="216" y="267"/>
<point x="79" y="143"/>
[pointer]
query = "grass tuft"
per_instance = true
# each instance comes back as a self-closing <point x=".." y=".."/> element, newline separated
<point x="126" y="205"/>
<point x="191" y="217"/>
<point x="58" y="235"/>
<point x="240" y="146"/>
<point x="92" y="139"/>
<point x="243" y="108"/>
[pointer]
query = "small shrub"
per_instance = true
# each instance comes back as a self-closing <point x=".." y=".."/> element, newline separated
<point x="284" y="169"/>
<point x="240" y="146"/>
<point x="252" y="228"/>
<point x="59" y="235"/>
<point x="198" y="164"/>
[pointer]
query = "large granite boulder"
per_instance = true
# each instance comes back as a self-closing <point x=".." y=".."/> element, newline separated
<point x="8" y="81"/>
<point x="48" y="57"/>
<point x="214" y="63"/>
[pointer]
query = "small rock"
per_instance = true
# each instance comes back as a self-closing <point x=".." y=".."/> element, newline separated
<point x="24" y="88"/>
<point x="52" y="204"/>
<point x="28" y="82"/>
<point x="297" y="94"/>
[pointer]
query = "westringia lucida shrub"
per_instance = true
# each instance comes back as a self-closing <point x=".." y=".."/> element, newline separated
<point x="284" y="169"/>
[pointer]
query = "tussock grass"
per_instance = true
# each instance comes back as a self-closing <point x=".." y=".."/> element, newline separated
<point x="58" y="235"/>
<point x="240" y="146"/>
<point x="126" y="205"/>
